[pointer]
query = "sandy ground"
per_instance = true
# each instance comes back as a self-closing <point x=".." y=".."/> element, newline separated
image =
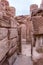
<point x="23" y="60"/>
<point x="25" y="57"/>
<point x="26" y="49"/>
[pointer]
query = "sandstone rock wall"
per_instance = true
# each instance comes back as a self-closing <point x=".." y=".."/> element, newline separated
<point x="26" y="27"/>
<point x="33" y="7"/>
<point x="8" y="30"/>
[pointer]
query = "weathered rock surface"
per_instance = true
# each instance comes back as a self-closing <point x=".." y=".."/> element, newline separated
<point x="24" y="27"/>
<point x="13" y="32"/>
<point x="8" y="30"/>
<point x="3" y="33"/>
<point x="13" y="42"/>
<point x="4" y="47"/>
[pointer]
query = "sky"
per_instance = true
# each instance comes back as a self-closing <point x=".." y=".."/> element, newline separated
<point x="22" y="6"/>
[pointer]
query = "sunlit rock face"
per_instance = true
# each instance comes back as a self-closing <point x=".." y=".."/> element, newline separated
<point x="25" y="26"/>
<point x="33" y="7"/>
<point x="8" y="31"/>
<point x="37" y="38"/>
<point x="41" y="5"/>
<point x="5" y="2"/>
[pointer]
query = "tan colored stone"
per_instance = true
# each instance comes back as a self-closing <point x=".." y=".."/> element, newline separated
<point x="8" y="30"/>
<point x="13" y="22"/>
<point x="39" y="45"/>
<point x="12" y="51"/>
<point x="37" y="24"/>
<point x="5" y="23"/>
<point x="41" y="5"/>
<point x="13" y="32"/>
<point x="4" y="48"/>
<point x="33" y="7"/>
<point x="23" y="31"/>
<point x="3" y="33"/>
<point x="10" y="11"/>
<point x="26" y="24"/>
<point x="13" y="42"/>
<point x="12" y="59"/>
<point x="1" y="15"/>
<point x="1" y="7"/>
<point x="5" y="3"/>
<point x="23" y="41"/>
<point x="41" y="29"/>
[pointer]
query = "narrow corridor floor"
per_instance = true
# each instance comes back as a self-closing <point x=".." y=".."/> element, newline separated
<point x="26" y="49"/>
<point x="23" y="60"/>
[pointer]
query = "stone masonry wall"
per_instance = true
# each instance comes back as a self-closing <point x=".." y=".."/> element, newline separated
<point x="8" y="32"/>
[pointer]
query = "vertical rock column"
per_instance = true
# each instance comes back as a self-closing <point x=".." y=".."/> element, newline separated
<point x="8" y="32"/>
<point x="4" y="45"/>
<point x="13" y="34"/>
<point x="23" y="34"/>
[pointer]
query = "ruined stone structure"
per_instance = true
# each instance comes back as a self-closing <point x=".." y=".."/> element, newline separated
<point x="17" y="30"/>
<point x="8" y="33"/>
<point x="37" y="20"/>
<point x="33" y="7"/>
<point x="26" y="28"/>
<point x="41" y="6"/>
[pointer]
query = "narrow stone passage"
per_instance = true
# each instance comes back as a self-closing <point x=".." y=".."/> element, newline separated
<point x="25" y="58"/>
